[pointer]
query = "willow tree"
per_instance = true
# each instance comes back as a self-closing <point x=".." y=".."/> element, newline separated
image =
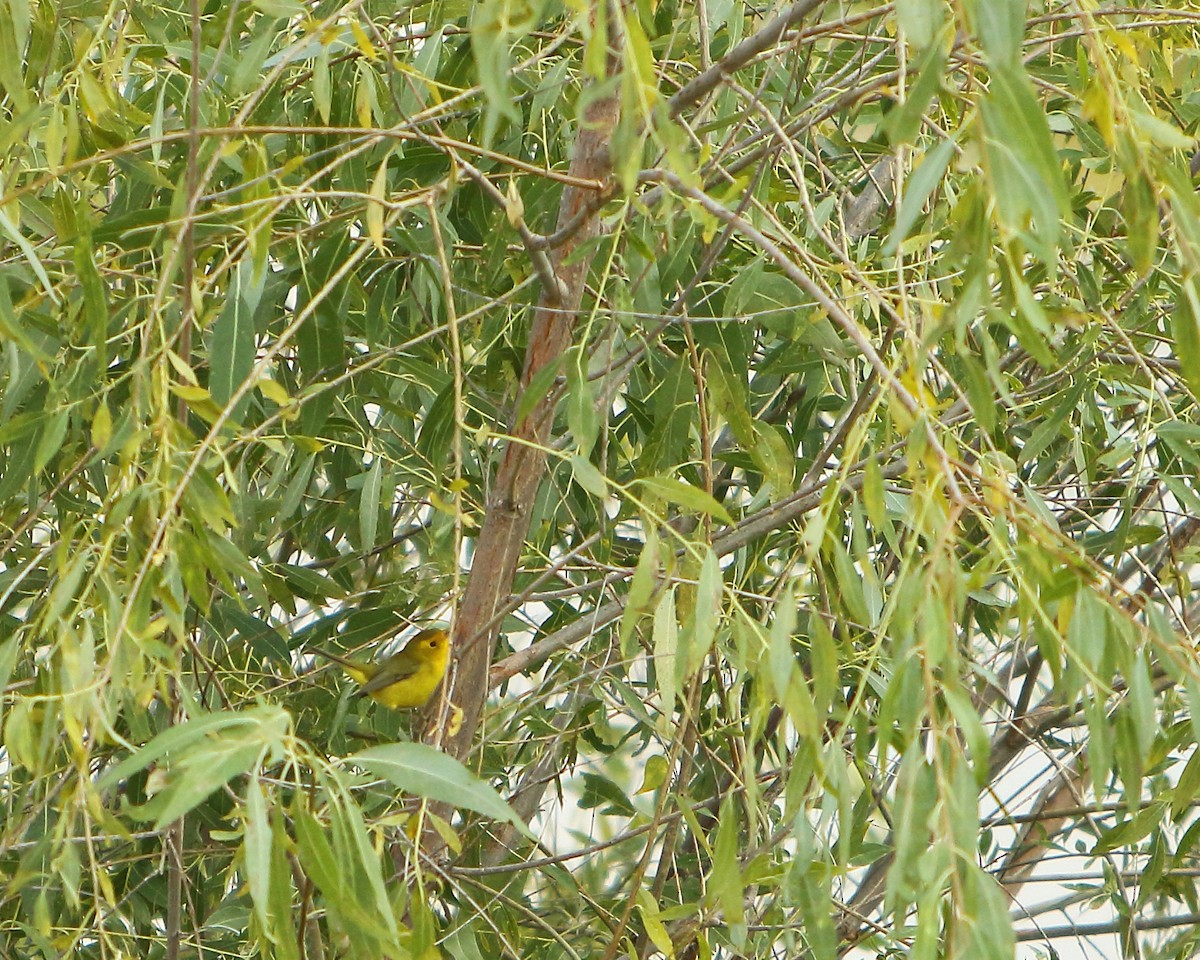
<point x="792" y="410"/>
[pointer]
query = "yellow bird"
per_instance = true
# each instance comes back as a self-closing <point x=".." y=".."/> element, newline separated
<point x="405" y="679"/>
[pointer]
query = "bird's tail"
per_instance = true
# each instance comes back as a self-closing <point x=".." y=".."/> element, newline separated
<point x="352" y="667"/>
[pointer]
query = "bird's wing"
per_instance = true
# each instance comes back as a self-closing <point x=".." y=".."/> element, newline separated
<point x="394" y="669"/>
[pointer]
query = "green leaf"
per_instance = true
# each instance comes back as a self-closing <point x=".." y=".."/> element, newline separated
<point x="825" y="666"/>
<point x="263" y="639"/>
<point x="1186" y="788"/>
<point x="52" y="437"/>
<point x="266" y="723"/>
<point x="369" y="504"/>
<point x="316" y="855"/>
<point x="232" y="346"/>
<point x="725" y="885"/>
<point x="916" y="800"/>
<point x="582" y="419"/>
<point x="686" y="496"/>
<point x="984" y="917"/>
<point x="1001" y="27"/>
<point x="781" y="652"/>
<point x="666" y="651"/>
<point x="652" y="922"/>
<point x="641" y="589"/>
<point x="813" y="894"/>
<point x="654" y="773"/>
<point x="1185" y="327"/>
<point x="917" y="190"/>
<point x="969" y="722"/>
<point x="11" y="327"/>
<point x="9" y="229"/>
<point x="66" y="588"/>
<point x="209" y="764"/>
<point x="1161" y="132"/>
<point x="1129" y="832"/>
<point x="599" y="791"/>
<point x="309" y="584"/>
<point x="1142" y="706"/>
<point x="588" y="476"/>
<point x="848" y="578"/>
<point x="256" y="847"/>
<point x="11" y="61"/>
<point x="921" y="20"/>
<point x="1025" y="171"/>
<point x="283" y="930"/>
<point x="707" y="613"/>
<point x="539" y="388"/>
<point x="425" y="772"/>
<point x="772" y="455"/>
<point x="95" y="295"/>
<point x="353" y="844"/>
<point x="252" y="53"/>
<point x="904" y="121"/>
<point x="322" y="85"/>
<point x="493" y="35"/>
<point x="729" y="397"/>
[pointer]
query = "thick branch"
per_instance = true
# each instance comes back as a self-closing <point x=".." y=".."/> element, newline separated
<point x="502" y="536"/>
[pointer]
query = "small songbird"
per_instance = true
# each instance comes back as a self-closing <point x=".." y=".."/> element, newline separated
<point x="405" y="679"/>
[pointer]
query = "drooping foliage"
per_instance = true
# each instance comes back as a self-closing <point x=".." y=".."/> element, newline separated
<point x="793" y="410"/>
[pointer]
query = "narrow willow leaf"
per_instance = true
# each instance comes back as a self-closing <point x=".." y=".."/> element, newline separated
<point x="1142" y="705"/>
<point x="825" y="666"/>
<point x="316" y="854"/>
<point x="725" y="885"/>
<point x="685" y="495"/>
<point x="983" y="915"/>
<point x="322" y="84"/>
<point x="781" y="652"/>
<point x="978" y="743"/>
<point x="588" y="476"/>
<point x="1187" y="786"/>
<point x="707" y="611"/>
<point x="266" y="723"/>
<point x="652" y="922"/>
<point x="641" y="589"/>
<point x="283" y="930"/>
<point x="492" y="39"/>
<point x="50" y="443"/>
<point x="1021" y="162"/>
<point x="256" y="846"/>
<point x="1000" y="24"/>
<point x="813" y="896"/>
<point x="95" y="294"/>
<point x="1185" y="327"/>
<point x="903" y="123"/>
<point x="666" y="651"/>
<point x="248" y="69"/>
<point x="918" y="189"/>
<point x="231" y="342"/>
<point x="375" y="206"/>
<point x="354" y="844"/>
<point x="582" y="418"/>
<point x="370" y="504"/>
<point x="921" y="20"/>
<point x="538" y="388"/>
<point x="425" y="772"/>
<point x="11" y="327"/>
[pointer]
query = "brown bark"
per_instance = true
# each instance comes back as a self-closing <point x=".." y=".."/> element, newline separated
<point x="498" y="549"/>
